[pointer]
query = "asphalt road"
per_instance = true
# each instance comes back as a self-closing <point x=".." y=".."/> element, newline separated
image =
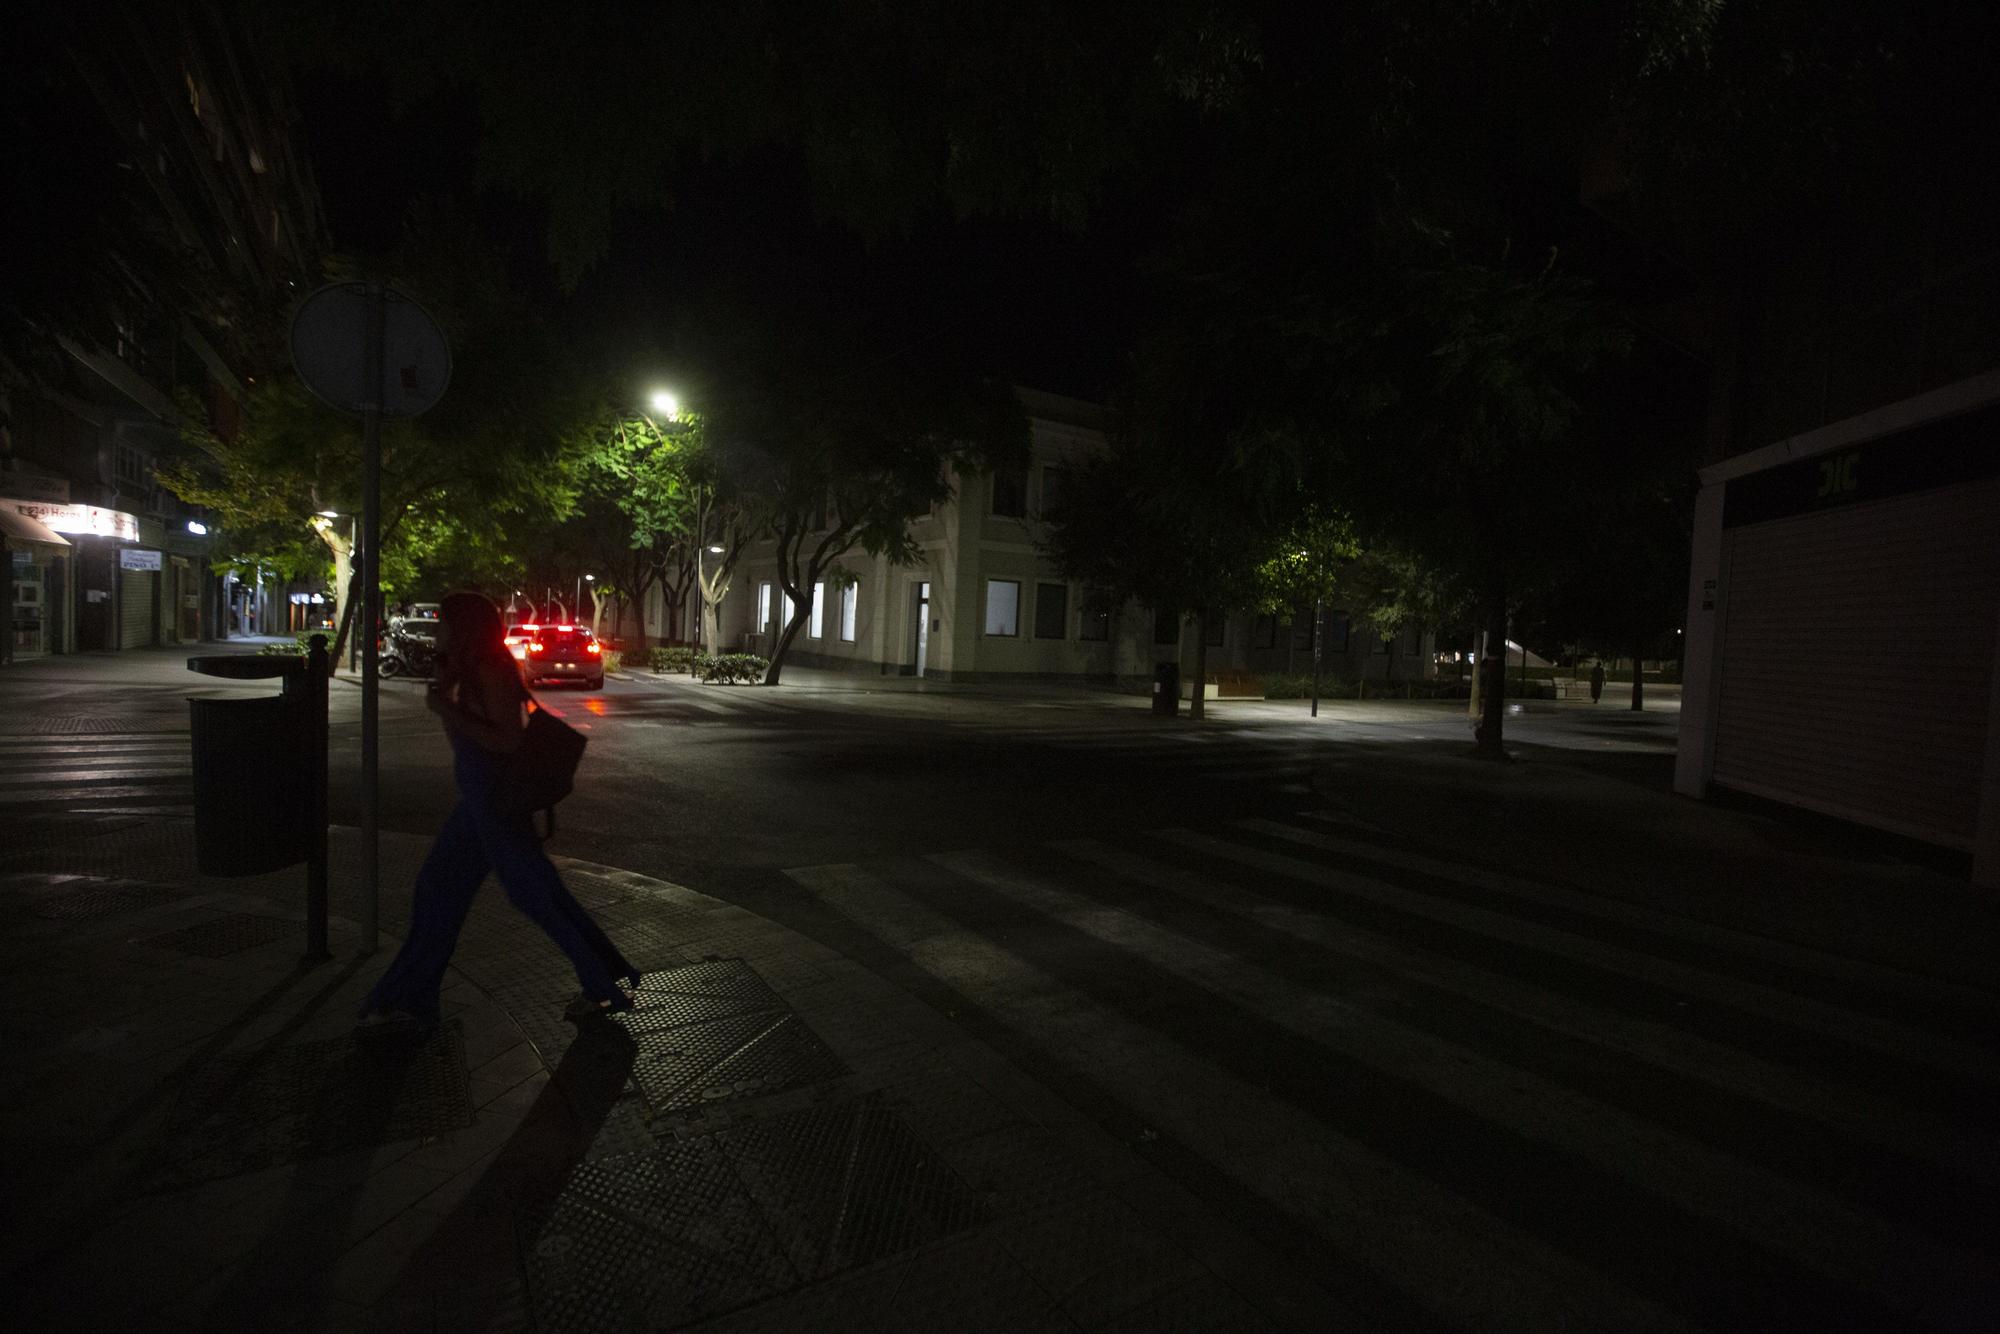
<point x="1481" y="1046"/>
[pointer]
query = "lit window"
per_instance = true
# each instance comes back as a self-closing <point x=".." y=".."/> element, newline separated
<point x="849" y="596"/>
<point x="816" y="618"/>
<point x="1003" y="607"/>
<point x="763" y="607"/>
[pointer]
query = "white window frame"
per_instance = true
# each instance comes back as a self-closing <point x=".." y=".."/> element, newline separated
<point x="763" y="608"/>
<point x="850" y="597"/>
<point x="816" y="614"/>
<point x="1015" y="632"/>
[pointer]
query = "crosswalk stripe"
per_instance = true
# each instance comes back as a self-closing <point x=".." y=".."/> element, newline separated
<point x="105" y="771"/>
<point x="73" y="794"/>
<point x="1633" y="914"/>
<point x="1818" y="1016"/>
<point x="1903" y="1130"/>
<point x="1402" y="1226"/>
<point x="1811" y="1225"/>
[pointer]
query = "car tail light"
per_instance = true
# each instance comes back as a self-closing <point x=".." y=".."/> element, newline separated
<point x="534" y="646"/>
<point x="592" y="647"/>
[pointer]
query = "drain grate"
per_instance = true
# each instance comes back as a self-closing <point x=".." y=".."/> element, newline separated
<point x="229" y="934"/>
<point x="713" y="1031"/>
<point x="701" y="1226"/>
<point x="241" y="1114"/>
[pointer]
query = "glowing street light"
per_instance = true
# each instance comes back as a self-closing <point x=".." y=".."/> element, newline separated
<point x="666" y="404"/>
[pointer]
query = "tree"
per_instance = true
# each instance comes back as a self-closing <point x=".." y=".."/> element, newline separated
<point x="489" y="451"/>
<point x="632" y="519"/>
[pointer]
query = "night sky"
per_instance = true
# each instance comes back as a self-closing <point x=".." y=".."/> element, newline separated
<point x="1024" y="301"/>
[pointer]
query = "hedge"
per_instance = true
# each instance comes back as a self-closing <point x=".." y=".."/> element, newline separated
<point x="731" y="669"/>
<point x="677" y="659"/>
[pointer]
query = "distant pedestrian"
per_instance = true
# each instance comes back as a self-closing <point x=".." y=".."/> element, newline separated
<point x="1596" y="682"/>
<point x="480" y="698"/>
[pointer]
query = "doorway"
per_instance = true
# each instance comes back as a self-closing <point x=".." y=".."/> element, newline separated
<point x="921" y="640"/>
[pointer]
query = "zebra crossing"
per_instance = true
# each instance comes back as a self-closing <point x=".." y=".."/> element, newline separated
<point x="132" y="772"/>
<point x="1505" y="1103"/>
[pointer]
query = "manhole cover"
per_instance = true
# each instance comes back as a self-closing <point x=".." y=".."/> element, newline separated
<point x="714" y="1031"/>
<point x="701" y="1226"/>
<point x="243" y="1113"/>
<point x="231" y="933"/>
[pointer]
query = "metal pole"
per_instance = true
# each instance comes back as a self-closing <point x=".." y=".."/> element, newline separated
<point x="371" y="607"/>
<point x="1316" y="638"/>
<point x="318" y="667"/>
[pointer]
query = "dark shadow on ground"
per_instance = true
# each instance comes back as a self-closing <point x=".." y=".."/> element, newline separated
<point x="467" y="1274"/>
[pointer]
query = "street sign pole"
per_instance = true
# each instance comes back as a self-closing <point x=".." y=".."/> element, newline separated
<point x="345" y="337"/>
<point x="371" y="607"/>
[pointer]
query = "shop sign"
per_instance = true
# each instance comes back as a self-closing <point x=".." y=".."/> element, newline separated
<point x="79" y="520"/>
<point x="49" y="490"/>
<point x="131" y="559"/>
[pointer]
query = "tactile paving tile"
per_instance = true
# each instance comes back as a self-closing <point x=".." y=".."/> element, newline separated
<point x="309" y="1099"/>
<point x="697" y="1227"/>
<point x="228" y="934"/>
<point x="652" y="1240"/>
<point x="849" y="1183"/>
<point x="80" y="724"/>
<point x="101" y="899"/>
<point x="713" y="1031"/>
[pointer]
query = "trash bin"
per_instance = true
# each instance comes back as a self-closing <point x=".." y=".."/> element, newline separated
<point x="1166" y="688"/>
<point x="255" y="794"/>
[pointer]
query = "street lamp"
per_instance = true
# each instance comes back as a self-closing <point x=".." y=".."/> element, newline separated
<point x="579" y="592"/>
<point x="666" y="404"/>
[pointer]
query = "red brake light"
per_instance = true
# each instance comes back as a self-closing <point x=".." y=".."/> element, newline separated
<point x="534" y="646"/>
<point x="592" y="647"/>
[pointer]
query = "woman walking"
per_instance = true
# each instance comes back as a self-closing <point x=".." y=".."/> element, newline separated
<point x="478" y="695"/>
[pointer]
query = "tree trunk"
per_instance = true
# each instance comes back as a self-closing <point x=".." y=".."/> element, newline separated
<point x="1198" y="687"/>
<point x="784" y="644"/>
<point x="1493" y="710"/>
<point x="1638" y="679"/>
<point x="1317" y="618"/>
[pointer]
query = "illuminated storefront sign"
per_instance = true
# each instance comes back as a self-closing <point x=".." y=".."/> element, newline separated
<point x="79" y="520"/>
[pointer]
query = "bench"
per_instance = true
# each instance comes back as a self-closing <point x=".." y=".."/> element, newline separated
<point x="1227" y="685"/>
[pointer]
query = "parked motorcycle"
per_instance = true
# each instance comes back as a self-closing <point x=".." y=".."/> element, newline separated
<point x="406" y="652"/>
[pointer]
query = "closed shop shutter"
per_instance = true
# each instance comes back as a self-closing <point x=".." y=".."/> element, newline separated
<point x="1857" y="660"/>
<point x="137" y="613"/>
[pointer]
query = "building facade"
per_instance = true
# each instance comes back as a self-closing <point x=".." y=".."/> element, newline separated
<point x="984" y="604"/>
<point x="1844" y="593"/>
<point x="189" y="107"/>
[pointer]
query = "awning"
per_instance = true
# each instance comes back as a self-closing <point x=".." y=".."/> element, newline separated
<point x="20" y="527"/>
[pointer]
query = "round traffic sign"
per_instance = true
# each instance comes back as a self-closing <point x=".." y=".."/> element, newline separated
<point x="330" y="351"/>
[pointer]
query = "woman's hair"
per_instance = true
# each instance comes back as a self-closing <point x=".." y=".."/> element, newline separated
<point x="477" y="636"/>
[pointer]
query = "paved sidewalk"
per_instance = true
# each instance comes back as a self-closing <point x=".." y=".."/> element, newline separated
<point x="197" y="1139"/>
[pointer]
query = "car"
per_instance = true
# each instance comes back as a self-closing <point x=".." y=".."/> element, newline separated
<point x="557" y="653"/>
<point x="425" y="613"/>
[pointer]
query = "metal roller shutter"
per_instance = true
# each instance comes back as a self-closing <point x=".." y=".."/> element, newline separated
<point x="138" y="614"/>
<point x="1857" y="660"/>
